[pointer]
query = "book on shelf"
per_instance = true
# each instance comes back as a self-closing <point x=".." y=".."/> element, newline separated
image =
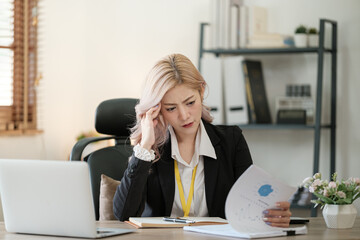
<point x="269" y="40"/>
<point x="236" y="25"/>
<point x="225" y="23"/>
<point x="235" y="93"/>
<point x="215" y="23"/>
<point x="258" y="106"/>
<point x="211" y="71"/>
<point x="257" y="20"/>
<point x="220" y="14"/>
<point x="158" y="222"/>
<point x="253" y="192"/>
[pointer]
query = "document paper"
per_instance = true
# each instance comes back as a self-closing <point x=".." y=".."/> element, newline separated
<point x="254" y="192"/>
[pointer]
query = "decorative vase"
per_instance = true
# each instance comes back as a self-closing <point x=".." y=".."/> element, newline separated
<point x="339" y="216"/>
<point x="300" y="39"/>
<point x="313" y="40"/>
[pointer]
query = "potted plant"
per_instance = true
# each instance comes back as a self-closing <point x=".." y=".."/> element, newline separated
<point x="300" y="36"/>
<point x="313" y="37"/>
<point x="336" y="198"/>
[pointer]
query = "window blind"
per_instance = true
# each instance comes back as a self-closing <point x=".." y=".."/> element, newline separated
<point x="18" y="65"/>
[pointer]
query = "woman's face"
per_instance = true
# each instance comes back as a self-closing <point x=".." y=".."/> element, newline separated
<point x="181" y="107"/>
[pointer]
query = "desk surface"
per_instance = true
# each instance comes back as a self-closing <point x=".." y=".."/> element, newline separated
<point x="316" y="230"/>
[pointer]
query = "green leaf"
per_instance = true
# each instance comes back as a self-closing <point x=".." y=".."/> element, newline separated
<point x="324" y="199"/>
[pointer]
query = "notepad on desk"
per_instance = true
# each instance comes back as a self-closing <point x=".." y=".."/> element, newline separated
<point x="158" y="222"/>
<point x="254" y="192"/>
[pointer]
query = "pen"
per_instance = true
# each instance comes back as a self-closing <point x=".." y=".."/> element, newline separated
<point x="177" y="220"/>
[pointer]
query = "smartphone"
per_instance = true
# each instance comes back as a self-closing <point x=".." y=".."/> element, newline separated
<point x="299" y="220"/>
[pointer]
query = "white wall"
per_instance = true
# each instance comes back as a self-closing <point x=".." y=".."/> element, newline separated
<point x="95" y="50"/>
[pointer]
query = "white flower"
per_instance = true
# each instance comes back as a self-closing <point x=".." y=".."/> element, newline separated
<point x="341" y="194"/>
<point x="325" y="183"/>
<point x="332" y="184"/>
<point x="348" y="183"/>
<point x="316" y="183"/>
<point x="307" y="181"/>
<point x="356" y="180"/>
<point x="326" y="192"/>
<point x="317" y="175"/>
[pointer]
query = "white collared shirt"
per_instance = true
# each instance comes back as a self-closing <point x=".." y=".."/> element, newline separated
<point x="203" y="147"/>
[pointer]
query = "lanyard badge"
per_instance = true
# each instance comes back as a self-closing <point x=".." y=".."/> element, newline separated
<point x="185" y="205"/>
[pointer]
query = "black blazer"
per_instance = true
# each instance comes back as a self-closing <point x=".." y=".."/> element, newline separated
<point x="147" y="189"/>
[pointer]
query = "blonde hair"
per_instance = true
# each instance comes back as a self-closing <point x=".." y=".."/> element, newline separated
<point x="172" y="70"/>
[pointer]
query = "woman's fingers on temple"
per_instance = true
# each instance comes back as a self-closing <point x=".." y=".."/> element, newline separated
<point x="156" y="111"/>
<point x="153" y="112"/>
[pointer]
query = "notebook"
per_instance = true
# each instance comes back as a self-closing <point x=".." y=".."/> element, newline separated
<point x="158" y="222"/>
<point x="49" y="198"/>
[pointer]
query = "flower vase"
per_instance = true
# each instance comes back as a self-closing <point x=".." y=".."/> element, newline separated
<point x="339" y="216"/>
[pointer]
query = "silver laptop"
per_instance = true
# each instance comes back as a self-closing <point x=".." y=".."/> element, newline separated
<point x="49" y="198"/>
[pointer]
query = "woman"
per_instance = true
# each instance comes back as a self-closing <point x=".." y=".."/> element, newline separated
<point x="182" y="165"/>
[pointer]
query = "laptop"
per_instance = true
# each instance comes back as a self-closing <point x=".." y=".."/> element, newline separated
<point x="49" y="198"/>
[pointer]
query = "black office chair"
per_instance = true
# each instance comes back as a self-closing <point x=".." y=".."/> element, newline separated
<point x="113" y="117"/>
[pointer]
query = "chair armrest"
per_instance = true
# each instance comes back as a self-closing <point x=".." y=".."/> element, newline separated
<point x="79" y="147"/>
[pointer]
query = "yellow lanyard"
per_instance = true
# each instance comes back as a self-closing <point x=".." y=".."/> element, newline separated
<point x="185" y="206"/>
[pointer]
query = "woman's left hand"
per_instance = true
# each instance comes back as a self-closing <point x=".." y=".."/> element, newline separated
<point x="279" y="216"/>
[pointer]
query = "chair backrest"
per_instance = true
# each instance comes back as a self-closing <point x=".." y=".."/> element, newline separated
<point x="113" y="117"/>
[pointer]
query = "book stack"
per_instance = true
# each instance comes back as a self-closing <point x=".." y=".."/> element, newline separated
<point x="269" y="40"/>
<point x="237" y="93"/>
<point x="236" y="25"/>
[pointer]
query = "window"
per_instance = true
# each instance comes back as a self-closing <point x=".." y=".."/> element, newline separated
<point x="18" y="66"/>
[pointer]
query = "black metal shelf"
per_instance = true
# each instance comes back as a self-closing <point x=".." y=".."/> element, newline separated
<point x="284" y="50"/>
<point x="320" y="52"/>
<point x="282" y="126"/>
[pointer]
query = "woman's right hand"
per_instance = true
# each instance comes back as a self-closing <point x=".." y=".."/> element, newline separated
<point x="149" y="121"/>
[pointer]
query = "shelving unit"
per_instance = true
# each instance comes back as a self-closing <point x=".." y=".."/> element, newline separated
<point x="320" y="52"/>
